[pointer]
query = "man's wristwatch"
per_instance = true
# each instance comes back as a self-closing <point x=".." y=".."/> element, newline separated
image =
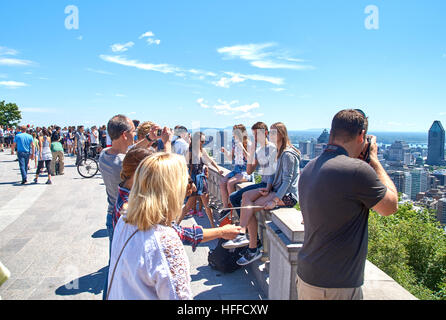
<point x="276" y="201"/>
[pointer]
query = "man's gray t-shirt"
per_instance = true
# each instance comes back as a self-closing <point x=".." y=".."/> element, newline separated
<point x="110" y="166"/>
<point x="335" y="195"/>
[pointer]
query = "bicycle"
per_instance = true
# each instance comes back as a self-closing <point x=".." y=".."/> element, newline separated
<point x="88" y="167"/>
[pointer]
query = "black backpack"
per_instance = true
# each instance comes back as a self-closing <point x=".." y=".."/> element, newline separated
<point x="224" y="260"/>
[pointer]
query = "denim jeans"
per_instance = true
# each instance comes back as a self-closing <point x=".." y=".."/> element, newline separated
<point x="236" y="197"/>
<point x="23" y="164"/>
<point x="109" y="224"/>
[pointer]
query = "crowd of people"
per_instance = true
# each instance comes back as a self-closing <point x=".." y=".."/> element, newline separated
<point x="48" y="146"/>
<point x="155" y="176"/>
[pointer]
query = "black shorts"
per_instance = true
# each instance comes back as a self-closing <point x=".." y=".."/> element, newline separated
<point x="2" y="140"/>
<point x="47" y="164"/>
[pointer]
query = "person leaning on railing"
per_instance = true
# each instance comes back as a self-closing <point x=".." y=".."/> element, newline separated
<point x="281" y="191"/>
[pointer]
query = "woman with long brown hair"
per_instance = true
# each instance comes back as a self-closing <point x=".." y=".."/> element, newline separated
<point x="281" y="191"/>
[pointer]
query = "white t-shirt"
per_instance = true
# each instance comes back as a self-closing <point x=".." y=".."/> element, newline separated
<point x="94" y="137"/>
<point x="180" y="147"/>
<point x="153" y="265"/>
<point x="266" y="159"/>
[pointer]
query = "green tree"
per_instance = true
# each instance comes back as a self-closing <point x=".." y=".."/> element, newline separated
<point x="410" y="246"/>
<point x="10" y="114"/>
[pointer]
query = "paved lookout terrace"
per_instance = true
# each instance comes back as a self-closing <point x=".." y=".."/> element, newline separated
<point x="54" y="242"/>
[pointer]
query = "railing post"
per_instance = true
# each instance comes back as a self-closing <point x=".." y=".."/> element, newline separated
<point x="285" y="233"/>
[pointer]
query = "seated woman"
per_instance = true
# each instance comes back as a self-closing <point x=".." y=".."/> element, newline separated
<point x="188" y="235"/>
<point x="281" y="191"/>
<point x="239" y="156"/>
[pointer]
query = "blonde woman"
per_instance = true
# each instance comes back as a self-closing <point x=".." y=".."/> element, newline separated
<point x="148" y="260"/>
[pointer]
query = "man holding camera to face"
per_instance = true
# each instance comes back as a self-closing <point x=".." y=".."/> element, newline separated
<point x="336" y="191"/>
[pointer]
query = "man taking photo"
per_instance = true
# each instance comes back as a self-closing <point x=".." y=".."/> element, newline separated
<point x="336" y="192"/>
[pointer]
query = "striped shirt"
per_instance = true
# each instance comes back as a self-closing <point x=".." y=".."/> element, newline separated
<point x="189" y="235"/>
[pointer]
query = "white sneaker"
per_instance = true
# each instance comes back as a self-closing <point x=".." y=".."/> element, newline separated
<point x="240" y="241"/>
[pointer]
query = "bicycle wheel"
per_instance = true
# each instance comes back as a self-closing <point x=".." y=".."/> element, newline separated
<point x="88" y="168"/>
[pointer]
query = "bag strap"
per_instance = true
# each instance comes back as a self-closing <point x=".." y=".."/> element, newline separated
<point x="114" y="269"/>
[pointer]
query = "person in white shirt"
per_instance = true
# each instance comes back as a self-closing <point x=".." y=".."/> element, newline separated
<point x="148" y="260"/>
<point x="239" y="156"/>
<point x="181" y="145"/>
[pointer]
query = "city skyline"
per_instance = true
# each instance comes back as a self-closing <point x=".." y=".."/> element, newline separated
<point x="217" y="64"/>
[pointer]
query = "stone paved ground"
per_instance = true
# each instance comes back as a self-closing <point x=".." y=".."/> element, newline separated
<point x="54" y="242"/>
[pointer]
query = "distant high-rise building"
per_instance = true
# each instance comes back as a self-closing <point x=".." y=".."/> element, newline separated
<point x="435" y="152"/>
<point x="402" y="181"/>
<point x="419" y="183"/>
<point x="399" y="151"/>
<point x="324" y="137"/>
<point x="305" y="147"/>
<point x="441" y="176"/>
<point x="441" y="211"/>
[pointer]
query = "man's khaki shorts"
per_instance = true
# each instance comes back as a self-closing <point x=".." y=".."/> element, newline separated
<point x="306" y="291"/>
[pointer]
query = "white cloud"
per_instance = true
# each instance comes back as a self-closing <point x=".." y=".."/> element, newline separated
<point x="147" y="34"/>
<point x="261" y="56"/>
<point x="229" y="108"/>
<point x="277" y="65"/>
<point x="14" y="62"/>
<point x="99" y="71"/>
<point x="225" y="82"/>
<point x="120" y="95"/>
<point x="122" y="47"/>
<point x="246" y="51"/>
<point x="278" y="89"/>
<point x="12" y="84"/>
<point x="258" y="77"/>
<point x="153" y="41"/>
<point x="163" y="68"/>
<point x="80" y="38"/>
<point x="7" y="51"/>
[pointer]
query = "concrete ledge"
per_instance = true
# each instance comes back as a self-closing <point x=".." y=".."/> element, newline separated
<point x="289" y="220"/>
<point x="379" y="286"/>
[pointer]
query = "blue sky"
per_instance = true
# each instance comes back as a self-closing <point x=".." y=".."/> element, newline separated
<point x="217" y="63"/>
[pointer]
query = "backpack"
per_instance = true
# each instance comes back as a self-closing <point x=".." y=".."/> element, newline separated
<point x="224" y="260"/>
